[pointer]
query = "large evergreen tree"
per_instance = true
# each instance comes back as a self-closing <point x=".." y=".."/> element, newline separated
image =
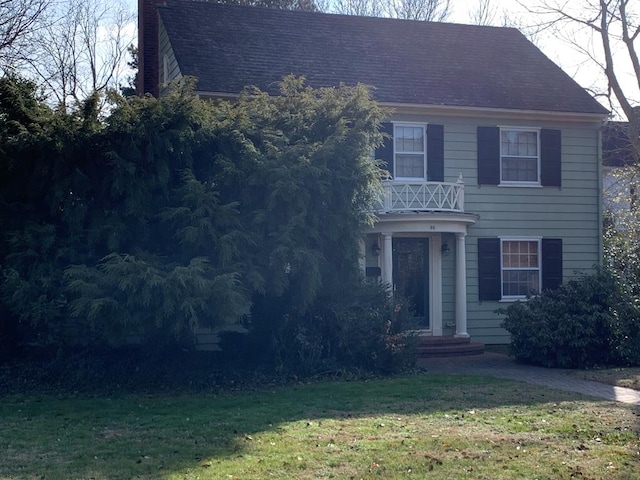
<point x="176" y="212"/>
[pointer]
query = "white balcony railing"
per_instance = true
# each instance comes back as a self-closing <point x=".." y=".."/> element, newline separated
<point x="422" y="196"/>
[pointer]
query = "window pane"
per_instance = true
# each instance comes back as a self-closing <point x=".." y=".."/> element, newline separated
<point x="520" y="282"/>
<point x="516" y="169"/>
<point x="519" y="254"/>
<point x="519" y="143"/>
<point x="409" y="139"/>
<point x="410" y="166"/>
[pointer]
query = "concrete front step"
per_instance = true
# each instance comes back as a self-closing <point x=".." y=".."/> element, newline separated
<point x="437" y="347"/>
<point x="435" y="341"/>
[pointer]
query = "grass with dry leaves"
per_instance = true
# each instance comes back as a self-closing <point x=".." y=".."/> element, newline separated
<point x="422" y="426"/>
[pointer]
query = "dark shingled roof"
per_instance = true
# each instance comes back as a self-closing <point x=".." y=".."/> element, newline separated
<point x="227" y="47"/>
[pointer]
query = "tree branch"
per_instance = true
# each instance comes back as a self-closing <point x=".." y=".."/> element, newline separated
<point x="609" y="67"/>
<point x="633" y="56"/>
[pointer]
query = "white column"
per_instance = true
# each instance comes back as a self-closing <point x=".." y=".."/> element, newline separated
<point x="461" y="287"/>
<point x="435" y="284"/>
<point x="387" y="259"/>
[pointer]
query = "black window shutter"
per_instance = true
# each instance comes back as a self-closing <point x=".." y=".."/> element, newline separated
<point x="550" y="158"/>
<point x="435" y="153"/>
<point x="488" y="155"/>
<point x="489" y="277"/>
<point x="551" y="263"/>
<point x="385" y="151"/>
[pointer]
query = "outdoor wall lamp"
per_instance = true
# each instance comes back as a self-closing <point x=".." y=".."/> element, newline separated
<point x="375" y="249"/>
<point x="445" y="249"/>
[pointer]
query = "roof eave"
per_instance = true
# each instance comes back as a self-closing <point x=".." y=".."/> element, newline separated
<point x="455" y="110"/>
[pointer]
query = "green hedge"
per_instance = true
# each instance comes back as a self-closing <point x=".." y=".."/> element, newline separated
<point x="587" y="322"/>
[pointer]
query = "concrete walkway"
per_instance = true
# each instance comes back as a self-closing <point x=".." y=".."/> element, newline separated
<point x="502" y="366"/>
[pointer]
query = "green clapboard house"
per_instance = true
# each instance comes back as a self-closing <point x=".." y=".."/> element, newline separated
<point x="493" y="154"/>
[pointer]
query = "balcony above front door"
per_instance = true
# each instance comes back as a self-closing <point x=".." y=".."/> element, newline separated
<point x="415" y="196"/>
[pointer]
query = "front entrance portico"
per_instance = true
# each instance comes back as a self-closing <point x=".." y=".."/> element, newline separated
<point x="405" y="237"/>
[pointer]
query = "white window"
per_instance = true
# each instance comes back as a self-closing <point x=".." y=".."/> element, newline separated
<point x="520" y="267"/>
<point x="519" y="156"/>
<point x="409" y="151"/>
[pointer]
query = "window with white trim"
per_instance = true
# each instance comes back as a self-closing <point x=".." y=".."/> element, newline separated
<point x="519" y="156"/>
<point x="520" y="267"/>
<point x="409" y="151"/>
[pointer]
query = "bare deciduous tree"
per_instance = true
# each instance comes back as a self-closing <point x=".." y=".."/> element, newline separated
<point x="82" y="50"/>
<point x="426" y="10"/>
<point x="604" y="34"/>
<point x="364" y="8"/>
<point x="18" y="20"/>
<point x="485" y="13"/>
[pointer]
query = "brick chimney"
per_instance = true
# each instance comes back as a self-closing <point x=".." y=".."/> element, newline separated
<point x="148" y="61"/>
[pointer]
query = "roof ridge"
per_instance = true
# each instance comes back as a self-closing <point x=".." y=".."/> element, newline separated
<point x="332" y="14"/>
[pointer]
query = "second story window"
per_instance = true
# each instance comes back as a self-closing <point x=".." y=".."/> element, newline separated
<point x="410" y="151"/>
<point x="519" y="156"/>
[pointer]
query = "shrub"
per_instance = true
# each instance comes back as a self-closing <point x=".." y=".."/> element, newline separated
<point x="586" y="322"/>
<point x="363" y="328"/>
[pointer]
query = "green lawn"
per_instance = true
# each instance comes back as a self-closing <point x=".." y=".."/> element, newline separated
<point x="423" y="426"/>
